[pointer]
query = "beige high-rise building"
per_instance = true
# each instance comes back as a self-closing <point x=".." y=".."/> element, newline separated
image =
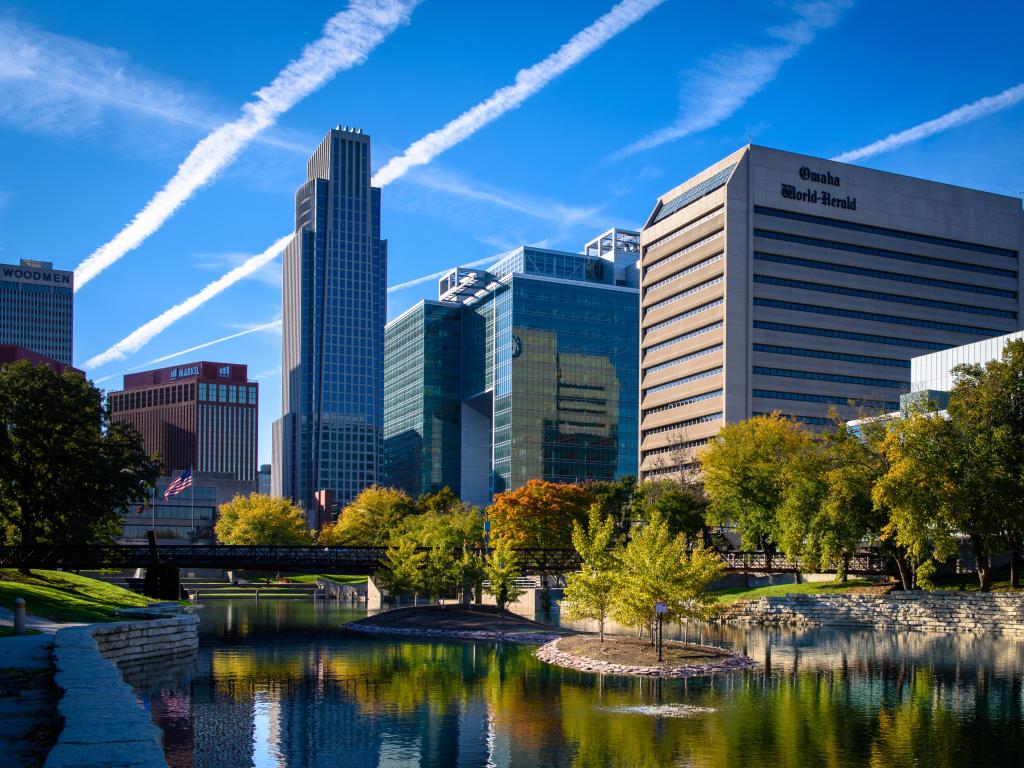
<point x="780" y="282"/>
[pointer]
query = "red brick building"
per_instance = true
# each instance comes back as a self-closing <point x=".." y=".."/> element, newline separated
<point x="201" y="415"/>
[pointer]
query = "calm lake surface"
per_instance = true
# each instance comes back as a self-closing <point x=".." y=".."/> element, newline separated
<point x="277" y="684"/>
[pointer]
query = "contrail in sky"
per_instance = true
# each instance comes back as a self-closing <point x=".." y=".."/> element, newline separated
<point x="348" y="39"/>
<point x="142" y="335"/>
<point x="204" y="345"/>
<point x="442" y="273"/>
<point x="528" y="82"/>
<point x="959" y="116"/>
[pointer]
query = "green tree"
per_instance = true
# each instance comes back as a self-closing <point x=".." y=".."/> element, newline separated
<point x="614" y="498"/>
<point x="501" y="568"/>
<point x="262" y="520"/>
<point x="65" y="467"/>
<point x="745" y="475"/>
<point x="442" y="573"/>
<point x="402" y="568"/>
<point x="987" y="403"/>
<point x="447" y="529"/>
<point x="827" y="508"/>
<point x="683" y="507"/>
<point x="654" y="567"/>
<point x="588" y="593"/>
<point x="372" y="518"/>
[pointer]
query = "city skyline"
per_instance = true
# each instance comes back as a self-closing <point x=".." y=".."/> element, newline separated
<point x="759" y="77"/>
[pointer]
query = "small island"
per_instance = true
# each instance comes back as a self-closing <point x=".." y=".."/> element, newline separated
<point x="457" y="622"/>
<point x="639" y="658"/>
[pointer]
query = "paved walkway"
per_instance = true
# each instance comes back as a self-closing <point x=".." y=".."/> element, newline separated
<point x="28" y="697"/>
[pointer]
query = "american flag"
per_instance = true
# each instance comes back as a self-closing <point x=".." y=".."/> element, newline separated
<point x="181" y="483"/>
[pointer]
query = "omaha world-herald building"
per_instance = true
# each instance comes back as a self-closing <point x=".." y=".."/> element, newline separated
<point x="779" y="282"/>
<point x="524" y="370"/>
<point x="328" y="441"/>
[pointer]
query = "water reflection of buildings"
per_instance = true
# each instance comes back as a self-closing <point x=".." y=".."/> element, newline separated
<point x="283" y="696"/>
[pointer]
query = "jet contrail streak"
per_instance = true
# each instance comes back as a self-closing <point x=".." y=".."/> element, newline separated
<point x="347" y="40"/>
<point x="954" y="119"/>
<point x="528" y="82"/>
<point x="142" y="335"/>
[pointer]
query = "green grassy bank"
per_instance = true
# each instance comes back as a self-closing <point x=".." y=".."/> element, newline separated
<point x="732" y="594"/>
<point x="60" y="596"/>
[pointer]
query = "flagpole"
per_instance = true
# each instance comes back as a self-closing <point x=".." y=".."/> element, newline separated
<point x="192" y="497"/>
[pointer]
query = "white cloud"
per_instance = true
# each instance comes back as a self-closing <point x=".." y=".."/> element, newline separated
<point x="142" y="335"/>
<point x="348" y="39"/>
<point x="269" y="274"/>
<point x="64" y="86"/>
<point x="953" y="119"/>
<point x="527" y="82"/>
<point x="274" y="326"/>
<point x="537" y="208"/>
<point x="722" y="83"/>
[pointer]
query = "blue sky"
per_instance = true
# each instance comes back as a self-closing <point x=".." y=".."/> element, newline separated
<point x="101" y="103"/>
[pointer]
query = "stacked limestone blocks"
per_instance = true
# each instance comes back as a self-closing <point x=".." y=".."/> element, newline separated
<point x="938" y="611"/>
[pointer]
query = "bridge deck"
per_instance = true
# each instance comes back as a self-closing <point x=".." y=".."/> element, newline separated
<point x="350" y="560"/>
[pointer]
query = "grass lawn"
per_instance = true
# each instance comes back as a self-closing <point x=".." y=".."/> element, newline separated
<point x="60" y="596"/>
<point x="310" y="578"/>
<point x="9" y="631"/>
<point x="968" y="582"/>
<point x="732" y="594"/>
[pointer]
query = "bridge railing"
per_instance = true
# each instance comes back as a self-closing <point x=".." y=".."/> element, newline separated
<point x="345" y="559"/>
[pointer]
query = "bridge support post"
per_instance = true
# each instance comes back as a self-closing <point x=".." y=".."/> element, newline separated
<point x="162" y="582"/>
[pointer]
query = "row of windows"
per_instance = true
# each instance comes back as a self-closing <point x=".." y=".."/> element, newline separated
<point x="684" y="424"/>
<point x="684" y="402"/>
<point x="53" y="290"/>
<point x="685" y="358"/>
<point x="683" y="380"/>
<point x="677" y="339"/>
<point x="877" y="317"/>
<point x="882" y="274"/>
<point x="884" y="253"/>
<point x="852" y="225"/>
<point x="689" y="313"/>
<point x="848" y="335"/>
<point x="227" y="393"/>
<point x="677" y="447"/>
<point x="676" y="255"/>
<point x="879" y="296"/>
<point x="695" y="223"/>
<point x="840" y="378"/>
<point x="831" y="355"/>
<point x="772" y="394"/>
<point x="684" y="294"/>
<point x="820" y="421"/>
<point x="680" y="275"/>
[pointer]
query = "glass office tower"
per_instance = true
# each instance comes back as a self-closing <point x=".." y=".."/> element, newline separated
<point x="525" y="370"/>
<point x="330" y="434"/>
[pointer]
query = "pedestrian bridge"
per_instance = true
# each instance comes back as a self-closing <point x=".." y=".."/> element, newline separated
<point x="347" y="560"/>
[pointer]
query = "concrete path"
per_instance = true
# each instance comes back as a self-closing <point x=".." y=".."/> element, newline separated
<point x="28" y="700"/>
<point x="46" y="626"/>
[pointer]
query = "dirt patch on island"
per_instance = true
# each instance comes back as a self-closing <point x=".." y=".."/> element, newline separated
<point x="630" y="651"/>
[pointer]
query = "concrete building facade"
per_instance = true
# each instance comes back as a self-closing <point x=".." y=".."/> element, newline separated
<point x="774" y="281"/>
<point x="37" y="308"/>
<point x="330" y="434"/>
<point x="525" y="370"/>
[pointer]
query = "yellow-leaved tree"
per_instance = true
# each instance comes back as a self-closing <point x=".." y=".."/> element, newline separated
<point x="262" y="520"/>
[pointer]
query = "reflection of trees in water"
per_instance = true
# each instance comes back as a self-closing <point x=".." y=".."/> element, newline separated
<point x="821" y="698"/>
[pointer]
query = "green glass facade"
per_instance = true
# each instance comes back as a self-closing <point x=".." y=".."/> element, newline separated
<point x="529" y="371"/>
<point x="422" y="399"/>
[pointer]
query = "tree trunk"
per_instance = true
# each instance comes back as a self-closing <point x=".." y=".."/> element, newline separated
<point x="1015" y="566"/>
<point x="984" y="563"/>
<point x="901" y="569"/>
<point x="600" y="631"/>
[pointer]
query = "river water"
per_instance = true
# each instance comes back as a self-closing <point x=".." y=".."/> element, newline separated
<point x="277" y="684"/>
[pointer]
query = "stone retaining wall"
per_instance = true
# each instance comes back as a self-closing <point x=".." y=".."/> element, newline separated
<point x="103" y="723"/>
<point x="551" y="654"/>
<point x="939" y="611"/>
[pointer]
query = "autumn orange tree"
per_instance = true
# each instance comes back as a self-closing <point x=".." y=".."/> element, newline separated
<point x="540" y="514"/>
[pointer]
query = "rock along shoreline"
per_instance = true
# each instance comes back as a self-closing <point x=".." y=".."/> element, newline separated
<point x="550" y="654"/>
